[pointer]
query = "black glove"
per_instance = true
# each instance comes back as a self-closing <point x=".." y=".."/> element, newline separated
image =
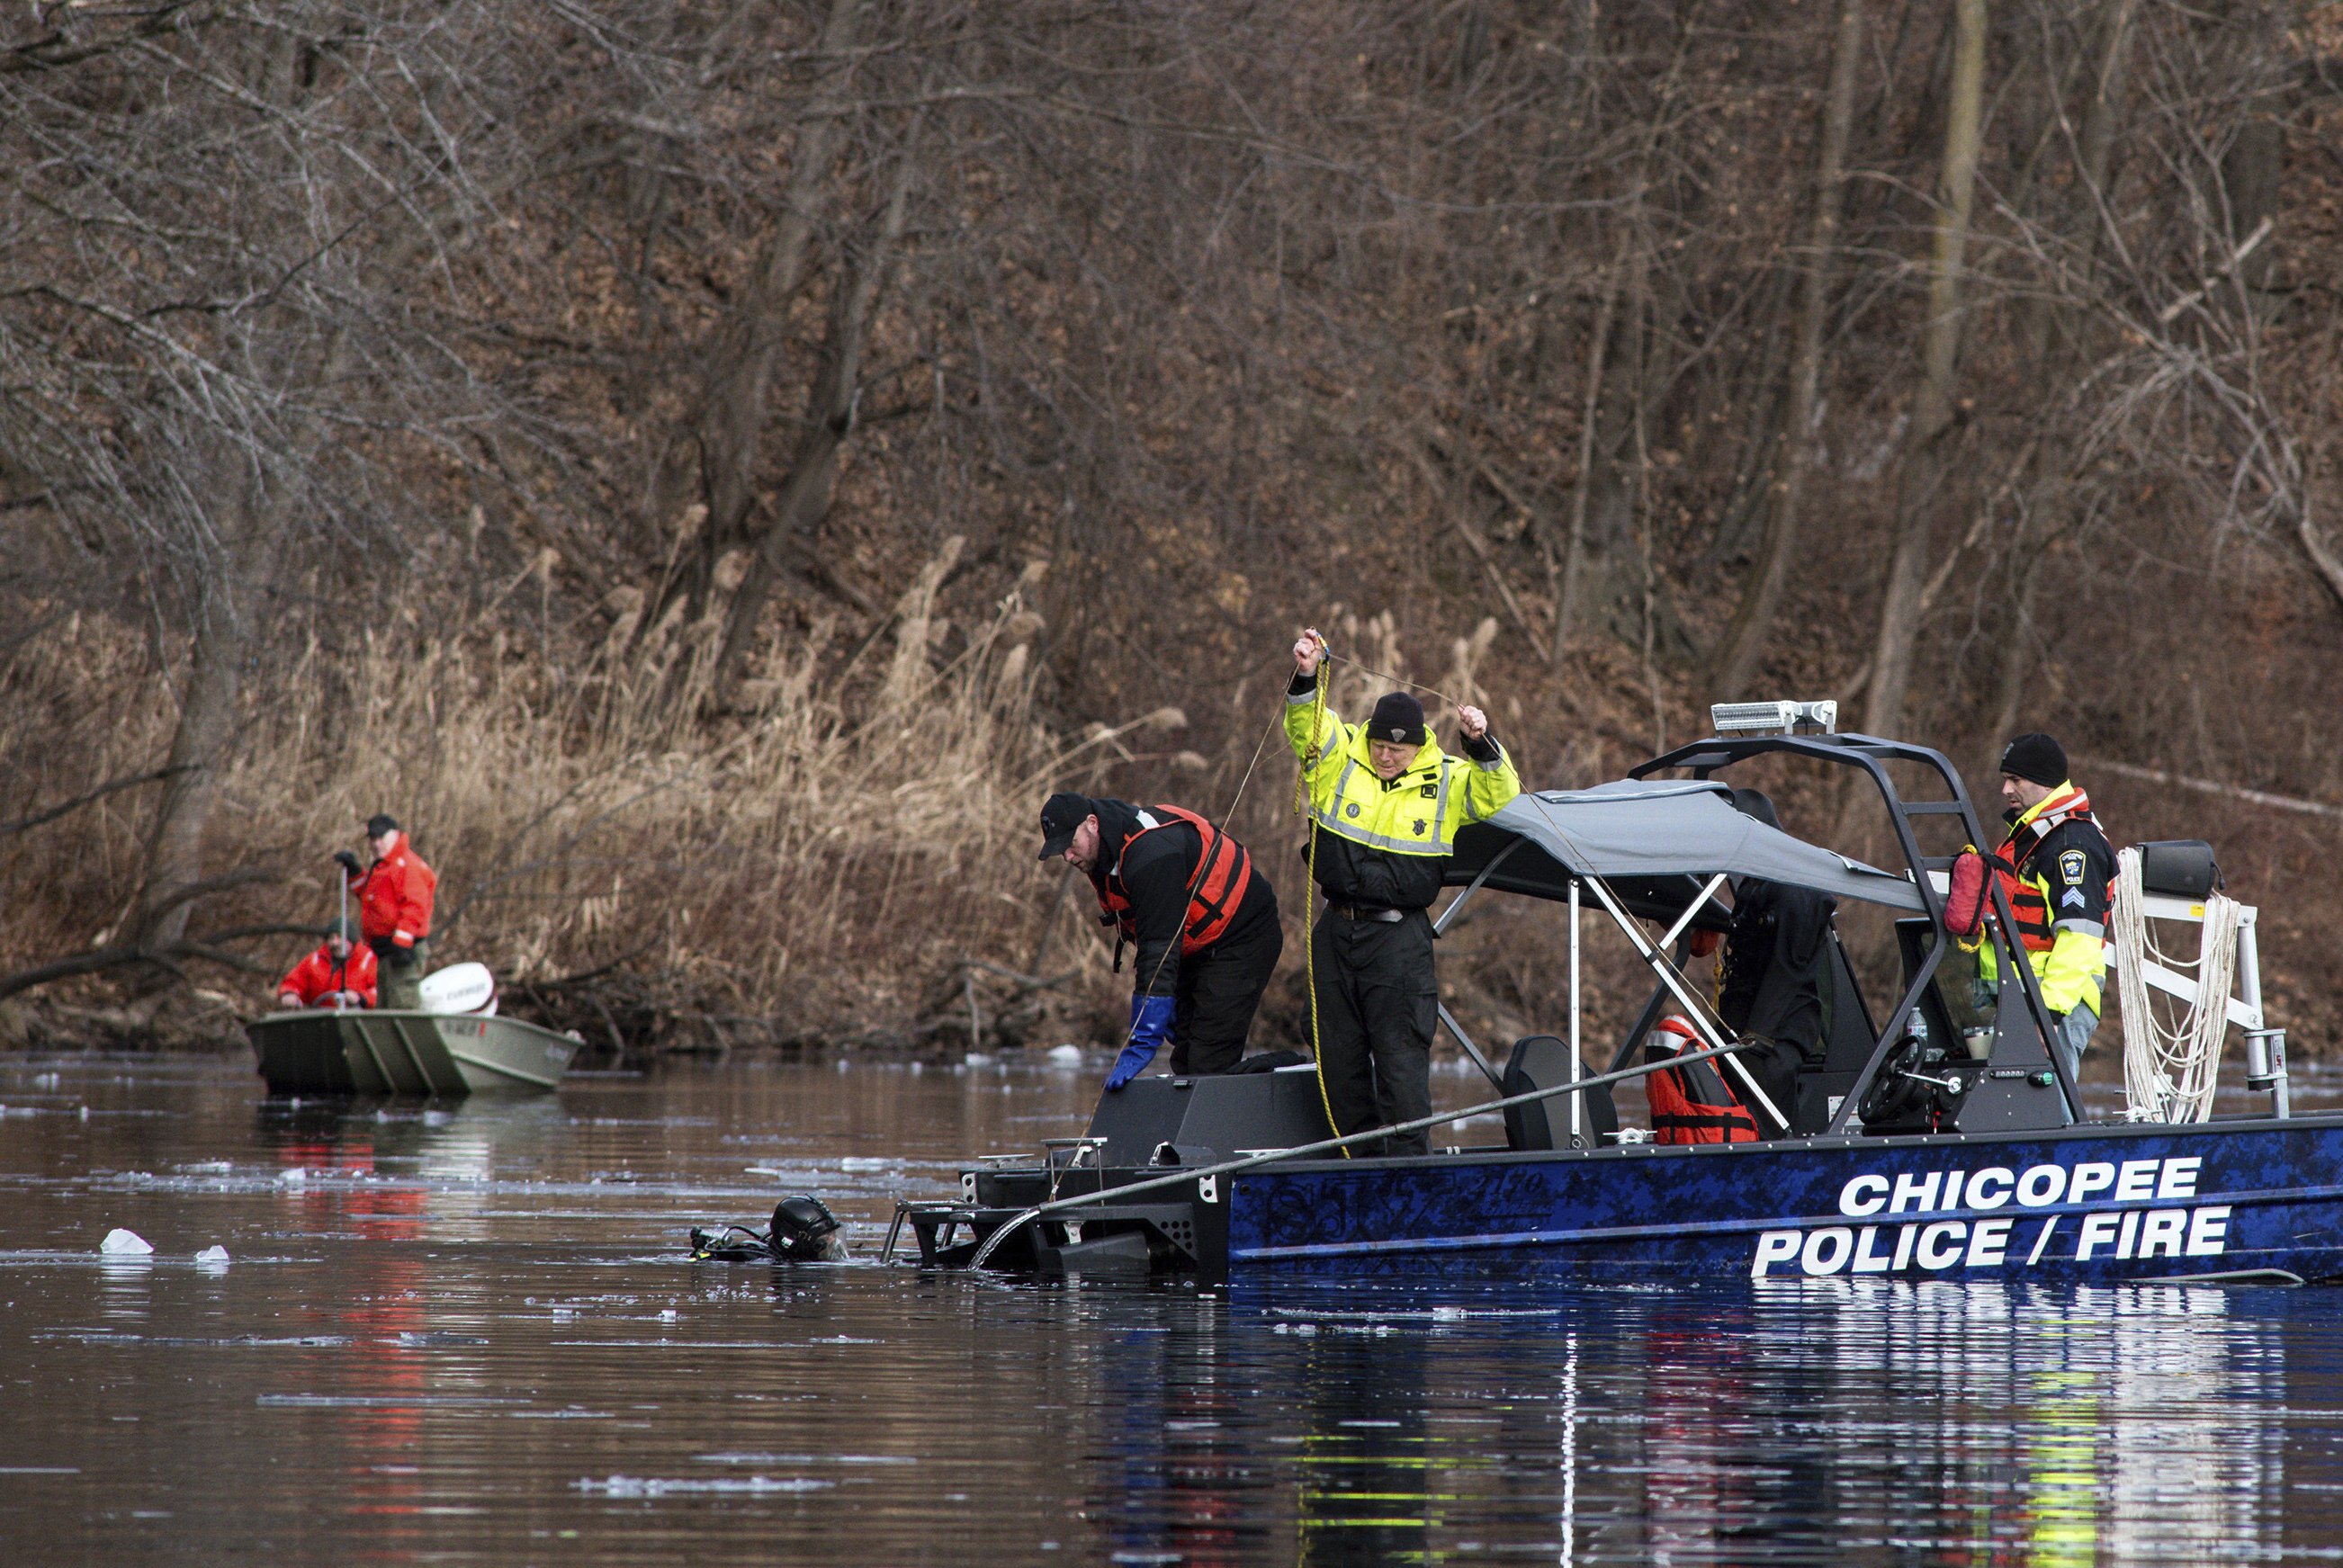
<point x="346" y="861"/>
<point x="401" y="957"/>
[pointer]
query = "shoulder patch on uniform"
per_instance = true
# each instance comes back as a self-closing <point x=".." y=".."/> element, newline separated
<point x="2071" y="864"/>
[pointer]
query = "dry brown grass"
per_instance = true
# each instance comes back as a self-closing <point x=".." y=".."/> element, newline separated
<point x="857" y="825"/>
<point x="819" y="862"/>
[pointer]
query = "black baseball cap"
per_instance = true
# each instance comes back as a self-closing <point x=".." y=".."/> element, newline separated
<point x="381" y="822"/>
<point x="1063" y="815"/>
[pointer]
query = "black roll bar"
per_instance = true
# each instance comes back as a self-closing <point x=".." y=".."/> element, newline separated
<point x="1866" y="754"/>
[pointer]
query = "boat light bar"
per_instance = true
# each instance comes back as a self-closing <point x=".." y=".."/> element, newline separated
<point x="1770" y="718"/>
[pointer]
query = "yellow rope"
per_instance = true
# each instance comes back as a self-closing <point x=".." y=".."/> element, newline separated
<point x="1301" y="803"/>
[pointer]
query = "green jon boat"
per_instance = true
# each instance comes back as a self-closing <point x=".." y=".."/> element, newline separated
<point x="447" y="1055"/>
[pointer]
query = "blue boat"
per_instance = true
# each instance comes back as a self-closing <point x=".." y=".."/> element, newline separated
<point x="1940" y="1143"/>
<point x="2216" y="1202"/>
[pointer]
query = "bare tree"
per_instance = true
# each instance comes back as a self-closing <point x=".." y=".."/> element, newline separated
<point x="713" y="458"/>
<point x="1923" y="460"/>
<point x="209" y="361"/>
<point x="1737" y="652"/>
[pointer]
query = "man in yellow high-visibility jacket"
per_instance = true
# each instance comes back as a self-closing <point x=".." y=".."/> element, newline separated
<point x="1385" y="803"/>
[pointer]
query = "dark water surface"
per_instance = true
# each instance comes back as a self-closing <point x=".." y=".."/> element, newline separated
<point x="472" y="1335"/>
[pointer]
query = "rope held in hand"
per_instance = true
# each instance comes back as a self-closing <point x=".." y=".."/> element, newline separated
<point x="1310" y="888"/>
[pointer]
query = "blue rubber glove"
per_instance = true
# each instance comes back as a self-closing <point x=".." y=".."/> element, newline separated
<point x="1150" y="1025"/>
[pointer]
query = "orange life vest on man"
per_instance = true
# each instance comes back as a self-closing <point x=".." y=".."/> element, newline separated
<point x="1223" y="871"/>
<point x="1692" y="1103"/>
<point x="2012" y="864"/>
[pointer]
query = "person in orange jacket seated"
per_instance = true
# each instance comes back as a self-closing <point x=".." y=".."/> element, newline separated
<point x="1692" y="1103"/>
<point x="339" y="974"/>
<point x="393" y="898"/>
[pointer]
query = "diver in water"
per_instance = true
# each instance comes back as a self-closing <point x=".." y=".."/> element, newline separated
<point x="803" y="1231"/>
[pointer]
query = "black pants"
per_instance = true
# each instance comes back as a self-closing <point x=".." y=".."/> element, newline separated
<point x="1378" y="1004"/>
<point x="1218" y="992"/>
<point x="1774" y="1065"/>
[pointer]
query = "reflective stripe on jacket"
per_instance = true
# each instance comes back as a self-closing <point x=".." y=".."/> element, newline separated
<point x="2062" y="928"/>
<point x="1416" y="814"/>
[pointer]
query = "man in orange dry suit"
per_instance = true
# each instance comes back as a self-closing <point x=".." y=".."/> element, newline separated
<point x="393" y="898"/>
<point x="1202" y="915"/>
<point x="1692" y="1103"/>
<point x="2059" y="871"/>
<point x="339" y="974"/>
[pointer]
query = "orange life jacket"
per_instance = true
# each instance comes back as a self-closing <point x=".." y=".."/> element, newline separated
<point x="321" y="973"/>
<point x="2029" y="895"/>
<point x="1223" y="871"/>
<point x="1692" y="1103"/>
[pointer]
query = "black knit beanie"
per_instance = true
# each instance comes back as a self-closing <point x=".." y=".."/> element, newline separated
<point x="2035" y="757"/>
<point x="1398" y="718"/>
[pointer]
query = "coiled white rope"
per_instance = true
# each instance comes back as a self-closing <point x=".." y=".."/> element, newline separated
<point x="2169" y="1070"/>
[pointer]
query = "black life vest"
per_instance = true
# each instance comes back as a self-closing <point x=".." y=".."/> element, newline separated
<point x="1692" y="1103"/>
<point x="1223" y="871"/>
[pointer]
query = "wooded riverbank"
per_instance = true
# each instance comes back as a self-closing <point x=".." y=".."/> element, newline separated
<point x="710" y="470"/>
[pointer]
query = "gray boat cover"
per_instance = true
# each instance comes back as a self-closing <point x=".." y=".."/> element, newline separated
<point x="1637" y="830"/>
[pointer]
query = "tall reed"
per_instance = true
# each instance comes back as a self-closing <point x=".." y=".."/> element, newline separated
<point x="815" y="857"/>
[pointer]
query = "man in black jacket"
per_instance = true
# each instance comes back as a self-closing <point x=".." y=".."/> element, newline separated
<point x="1769" y="979"/>
<point x="1203" y="917"/>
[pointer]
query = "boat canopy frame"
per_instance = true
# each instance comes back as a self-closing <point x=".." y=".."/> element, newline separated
<point x="1868" y="756"/>
<point x="1491" y="854"/>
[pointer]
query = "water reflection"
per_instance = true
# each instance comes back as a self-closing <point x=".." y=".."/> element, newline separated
<point x="473" y="1334"/>
<point x="1815" y="1421"/>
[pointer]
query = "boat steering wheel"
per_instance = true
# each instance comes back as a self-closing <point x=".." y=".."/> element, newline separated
<point x="1903" y="1090"/>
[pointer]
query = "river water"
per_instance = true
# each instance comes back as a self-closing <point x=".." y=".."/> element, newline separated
<point x="473" y="1335"/>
